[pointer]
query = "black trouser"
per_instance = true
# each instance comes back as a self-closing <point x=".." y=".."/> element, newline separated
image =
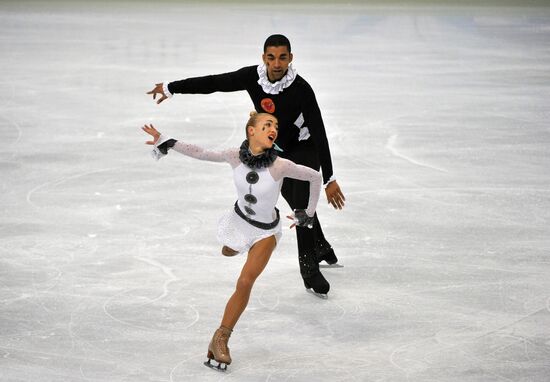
<point x="296" y="193"/>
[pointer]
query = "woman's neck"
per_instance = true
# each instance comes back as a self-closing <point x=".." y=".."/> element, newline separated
<point x="255" y="148"/>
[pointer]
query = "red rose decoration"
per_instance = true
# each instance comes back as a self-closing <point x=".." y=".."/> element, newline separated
<point x="268" y="105"/>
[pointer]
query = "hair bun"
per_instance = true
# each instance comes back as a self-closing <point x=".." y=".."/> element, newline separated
<point x="253" y="113"/>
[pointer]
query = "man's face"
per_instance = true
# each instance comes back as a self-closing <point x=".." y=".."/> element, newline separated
<point x="276" y="60"/>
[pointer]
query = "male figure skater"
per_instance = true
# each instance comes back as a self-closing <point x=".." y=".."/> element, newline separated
<point x="275" y="87"/>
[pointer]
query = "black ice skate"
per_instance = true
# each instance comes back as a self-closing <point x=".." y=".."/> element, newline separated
<point x="317" y="285"/>
<point x="326" y="254"/>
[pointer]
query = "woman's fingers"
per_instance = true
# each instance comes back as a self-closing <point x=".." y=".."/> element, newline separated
<point x="291" y="218"/>
<point x="152" y="132"/>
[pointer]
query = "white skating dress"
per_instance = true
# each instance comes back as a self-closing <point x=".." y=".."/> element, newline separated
<point x="254" y="216"/>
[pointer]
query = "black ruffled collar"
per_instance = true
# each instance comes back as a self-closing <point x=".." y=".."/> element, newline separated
<point x="264" y="159"/>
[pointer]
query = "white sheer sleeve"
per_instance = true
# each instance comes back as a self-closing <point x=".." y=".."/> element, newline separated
<point x="230" y="156"/>
<point x="284" y="168"/>
<point x="198" y="152"/>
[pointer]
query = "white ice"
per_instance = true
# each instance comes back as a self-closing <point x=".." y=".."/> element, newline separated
<point x="438" y="120"/>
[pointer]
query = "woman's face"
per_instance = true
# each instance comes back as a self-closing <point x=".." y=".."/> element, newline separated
<point x="265" y="132"/>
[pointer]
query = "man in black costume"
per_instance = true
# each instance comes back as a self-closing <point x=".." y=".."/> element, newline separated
<point x="275" y="87"/>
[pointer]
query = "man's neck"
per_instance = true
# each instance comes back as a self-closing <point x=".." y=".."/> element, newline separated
<point x="273" y="81"/>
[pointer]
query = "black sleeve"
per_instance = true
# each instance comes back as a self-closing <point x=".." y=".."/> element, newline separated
<point x="165" y="146"/>
<point x="314" y="122"/>
<point x="226" y="82"/>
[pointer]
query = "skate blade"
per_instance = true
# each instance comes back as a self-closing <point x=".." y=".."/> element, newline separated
<point x="336" y="265"/>
<point x="320" y="295"/>
<point x="222" y="367"/>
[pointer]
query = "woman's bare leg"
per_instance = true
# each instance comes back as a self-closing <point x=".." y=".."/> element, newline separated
<point x="258" y="257"/>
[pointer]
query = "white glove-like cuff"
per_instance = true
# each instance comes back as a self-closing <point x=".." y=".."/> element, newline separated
<point x="165" y="89"/>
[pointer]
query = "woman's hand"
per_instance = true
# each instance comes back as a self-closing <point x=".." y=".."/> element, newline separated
<point x="152" y="132"/>
<point x="301" y="219"/>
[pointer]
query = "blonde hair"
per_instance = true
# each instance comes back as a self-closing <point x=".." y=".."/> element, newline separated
<point x="254" y="115"/>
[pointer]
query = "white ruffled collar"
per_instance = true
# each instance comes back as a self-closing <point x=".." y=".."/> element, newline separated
<point x="275" y="87"/>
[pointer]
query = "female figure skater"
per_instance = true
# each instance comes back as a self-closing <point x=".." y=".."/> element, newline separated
<point x="253" y="223"/>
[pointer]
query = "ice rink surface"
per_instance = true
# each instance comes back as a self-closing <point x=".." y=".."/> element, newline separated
<point x="438" y="120"/>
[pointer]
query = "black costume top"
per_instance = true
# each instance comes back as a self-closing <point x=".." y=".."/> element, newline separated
<point x="294" y="105"/>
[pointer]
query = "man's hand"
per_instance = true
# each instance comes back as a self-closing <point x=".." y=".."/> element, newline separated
<point x="335" y="195"/>
<point x="158" y="90"/>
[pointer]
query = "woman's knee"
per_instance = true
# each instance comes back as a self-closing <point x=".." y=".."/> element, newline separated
<point x="245" y="283"/>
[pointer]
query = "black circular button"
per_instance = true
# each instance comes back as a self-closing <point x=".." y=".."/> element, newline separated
<point x="250" y="199"/>
<point x="252" y="177"/>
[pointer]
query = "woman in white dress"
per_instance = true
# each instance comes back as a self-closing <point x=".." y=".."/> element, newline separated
<point x="253" y="224"/>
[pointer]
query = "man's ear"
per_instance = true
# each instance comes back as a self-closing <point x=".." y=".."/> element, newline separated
<point x="290" y="56"/>
<point x="263" y="58"/>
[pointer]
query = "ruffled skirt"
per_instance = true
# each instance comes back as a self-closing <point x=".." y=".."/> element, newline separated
<point x="239" y="235"/>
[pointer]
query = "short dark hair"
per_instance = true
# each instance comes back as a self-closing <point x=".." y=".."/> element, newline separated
<point x="277" y="40"/>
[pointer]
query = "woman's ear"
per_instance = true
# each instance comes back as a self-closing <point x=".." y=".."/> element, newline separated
<point x="250" y="130"/>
